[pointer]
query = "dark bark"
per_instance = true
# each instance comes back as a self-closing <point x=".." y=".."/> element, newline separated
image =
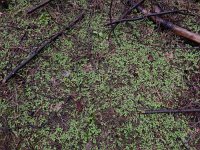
<point x="42" y="4"/>
<point x="146" y="16"/>
<point x="41" y="47"/>
<point x="127" y="12"/>
<point x="169" y="111"/>
<point x="176" y="29"/>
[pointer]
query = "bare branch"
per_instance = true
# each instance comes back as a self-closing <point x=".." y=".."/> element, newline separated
<point x="41" y="47"/>
<point x="42" y="4"/>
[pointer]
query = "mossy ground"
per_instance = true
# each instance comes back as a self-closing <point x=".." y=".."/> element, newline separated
<point x="86" y="91"/>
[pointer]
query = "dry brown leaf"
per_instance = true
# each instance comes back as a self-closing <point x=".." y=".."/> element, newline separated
<point x="57" y="106"/>
<point x="87" y="67"/>
<point x="169" y="56"/>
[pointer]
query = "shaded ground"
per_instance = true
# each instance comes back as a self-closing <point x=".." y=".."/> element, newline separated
<point x="86" y="91"/>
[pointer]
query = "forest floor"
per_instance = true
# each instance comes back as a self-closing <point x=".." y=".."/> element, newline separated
<point x="87" y="90"/>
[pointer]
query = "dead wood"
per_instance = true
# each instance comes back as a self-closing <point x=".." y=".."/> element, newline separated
<point x="145" y="16"/>
<point x="169" y="111"/>
<point x="131" y="9"/>
<point x="176" y="29"/>
<point x="42" y="4"/>
<point x="127" y="13"/>
<point x="41" y="47"/>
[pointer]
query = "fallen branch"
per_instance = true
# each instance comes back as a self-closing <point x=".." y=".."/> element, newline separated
<point x="176" y="29"/>
<point x="41" y="47"/>
<point x="127" y="13"/>
<point x="110" y="11"/>
<point x="43" y="125"/>
<point x="38" y="6"/>
<point x="169" y="111"/>
<point x="145" y="16"/>
<point x="131" y="9"/>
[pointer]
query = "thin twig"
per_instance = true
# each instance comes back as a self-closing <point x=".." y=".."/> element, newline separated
<point x="41" y="47"/>
<point x="127" y="13"/>
<point x="110" y="17"/>
<point x="169" y="111"/>
<point x="132" y="8"/>
<point x="42" y="4"/>
<point x="110" y="11"/>
<point x="146" y="16"/>
<point x="11" y="26"/>
<point x="28" y="125"/>
<point x="169" y="25"/>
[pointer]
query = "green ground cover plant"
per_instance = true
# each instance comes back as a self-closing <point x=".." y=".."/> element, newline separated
<point x="86" y="90"/>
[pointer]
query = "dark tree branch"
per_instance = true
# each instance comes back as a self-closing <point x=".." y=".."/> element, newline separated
<point x="146" y="16"/>
<point x="41" y="47"/>
<point x="110" y="17"/>
<point x="42" y="4"/>
<point x="176" y="29"/>
<point x="127" y="13"/>
<point x="169" y="111"/>
<point x="110" y="11"/>
<point x="131" y="9"/>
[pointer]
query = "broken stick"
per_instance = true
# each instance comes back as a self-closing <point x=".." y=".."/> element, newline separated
<point x="45" y="2"/>
<point x="41" y="47"/>
<point x="176" y="29"/>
